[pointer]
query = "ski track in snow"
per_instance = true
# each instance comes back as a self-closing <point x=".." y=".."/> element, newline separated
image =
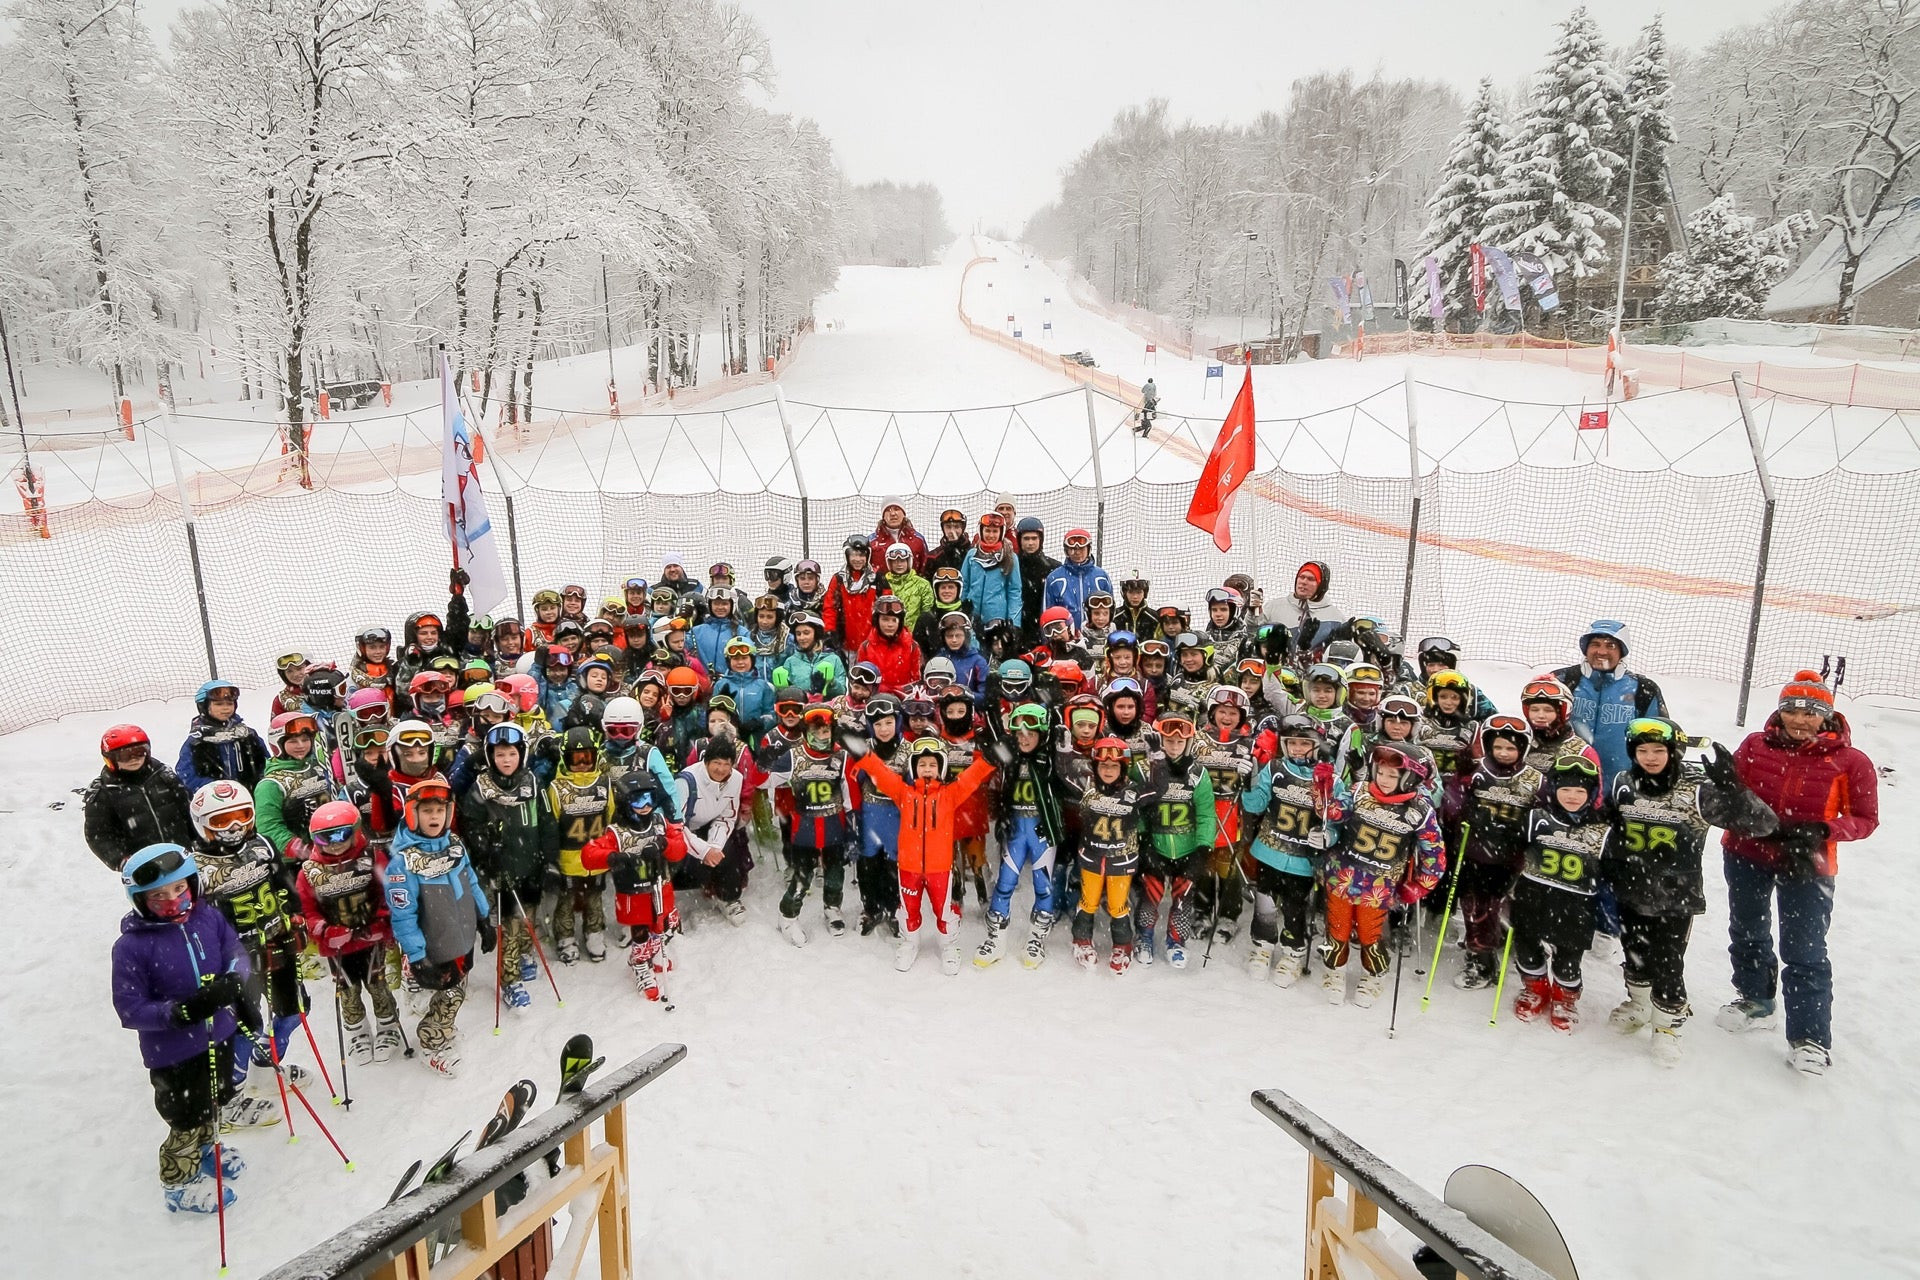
<point x="833" y="1115"/>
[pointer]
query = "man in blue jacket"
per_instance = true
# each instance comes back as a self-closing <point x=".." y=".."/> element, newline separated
<point x="1077" y="578"/>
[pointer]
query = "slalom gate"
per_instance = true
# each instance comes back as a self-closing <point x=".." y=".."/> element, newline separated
<point x="454" y="1230"/>
<point x="1342" y="1234"/>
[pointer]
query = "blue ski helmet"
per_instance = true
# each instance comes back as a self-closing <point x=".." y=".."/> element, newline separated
<point x="155" y="867"/>
<point x="1605" y="628"/>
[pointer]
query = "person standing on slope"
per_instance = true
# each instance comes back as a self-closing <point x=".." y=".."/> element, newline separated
<point x="1072" y="583"/>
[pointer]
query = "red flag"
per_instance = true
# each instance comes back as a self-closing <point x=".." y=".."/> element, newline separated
<point x="1477" y="259"/>
<point x="1228" y="465"/>
<point x="1593" y="420"/>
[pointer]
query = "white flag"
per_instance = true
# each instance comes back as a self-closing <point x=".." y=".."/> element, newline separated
<point x="469" y="530"/>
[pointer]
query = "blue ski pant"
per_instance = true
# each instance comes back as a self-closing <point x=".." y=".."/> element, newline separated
<point x="1026" y="850"/>
<point x="1801" y="971"/>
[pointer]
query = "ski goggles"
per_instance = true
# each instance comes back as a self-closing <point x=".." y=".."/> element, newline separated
<point x="333" y="837"/>
<point x="1123" y="684"/>
<point x="918" y="708"/>
<point x="1099" y="600"/>
<point x="935" y="681"/>
<point x="1648" y="729"/>
<point x="300" y="725"/>
<point x="1108" y="755"/>
<point x="374" y="635"/>
<point x="574" y="593"/>
<point x="230" y="819"/>
<point x="1512" y="726"/>
<point x="1438" y="644"/>
<point x="371" y="736"/>
<point x="621" y="733"/>
<point x="889" y="606"/>
<point x="371" y="713"/>
<point x="1400" y="707"/>
<point x="542" y="599"/>
<point x="1450" y="679"/>
<point x="1031" y="718"/>
<point x="1173" y="727"/>
<point x="865" y="673"/>
<point x="1155" y="649"/>
<point x="158" y="868"/>
<point x="129" y="753"/>
<point x="413" y="738"/>
<point x="946" y="573"/>
<point x="1251" y="667"/>
<point x="288" y="663"/>
<point x="1576" y="764"/>
<point x="1076" y="542"/>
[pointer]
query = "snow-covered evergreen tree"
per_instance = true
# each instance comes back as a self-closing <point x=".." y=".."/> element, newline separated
<point x="1555" y="193"/>
<point x="1729" y="267"/>
<point x="1457" y="211"/>
<point x="1649" y="106"/>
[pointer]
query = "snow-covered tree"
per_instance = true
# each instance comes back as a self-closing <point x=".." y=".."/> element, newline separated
<point x="1648" y="113"/>
<point x="891" y="223"/>
<point x="1457" y="211"/>
<point x="1557" y="175"/>
<point x="86" y="232"/>
<point x="1729" y="266"/>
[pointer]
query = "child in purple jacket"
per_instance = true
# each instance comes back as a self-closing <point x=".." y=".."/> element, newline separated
<point x="177" y="973"/>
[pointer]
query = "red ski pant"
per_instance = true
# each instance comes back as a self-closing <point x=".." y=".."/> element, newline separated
<point x="914" y="886"/>
<point x="1344" y="918"/>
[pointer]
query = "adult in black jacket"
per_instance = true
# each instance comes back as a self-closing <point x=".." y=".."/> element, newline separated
<point x="1035" y="565"/>
<point x="951" y="551"/>
<point x="136" y="801"/>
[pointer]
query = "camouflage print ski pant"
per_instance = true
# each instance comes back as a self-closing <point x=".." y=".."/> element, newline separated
<point x="832" y="861"/>
<point x="436" y="1030"/>
<point x="186" y="1097"/>
<point x="1222" y="874"/>
<point x="357" y="970"/>
<point x="1163" y="879"/>
<point x="180" y="1154"/>
<point x="572" y="896"/>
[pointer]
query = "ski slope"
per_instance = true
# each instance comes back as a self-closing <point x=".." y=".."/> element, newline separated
<point x="834" y="1116"/>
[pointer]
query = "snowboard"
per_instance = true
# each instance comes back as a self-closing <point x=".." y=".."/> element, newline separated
<point x="1513" y="1215"/>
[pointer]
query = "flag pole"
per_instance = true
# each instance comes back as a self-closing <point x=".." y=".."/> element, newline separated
<point x="1626" y="240"/>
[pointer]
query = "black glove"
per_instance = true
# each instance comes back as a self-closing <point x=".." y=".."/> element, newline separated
<point x="1001" y="754"/>
<point x="540" y="657"/>
<point x="214" y="995"/>
<point x="1721" y="770"/>
<point x="1276" y="644"/>
<point x="487" y="937"/>
<point x="457" y="579"/>
<point x="1803" y="845"/>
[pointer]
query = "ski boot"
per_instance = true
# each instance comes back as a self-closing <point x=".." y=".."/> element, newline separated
<point x="198" y="1196"/>
<point x="1747" y="1015"/>
<point x="1477" y="973"/>
<point x="1224" y="931"/>
<point x="735" y="912"/>
<point x="790" y="930"/>
<point x="569" y="950"/>
<point x="1122" y="958"/>
<point x="1292" y="963"/>
<point x="529" y="968"/>
<point x="515" y="996"/>
<point x="869" y="919"/>
<point x="360" y="1043"/>
<point x="246" y="1112"/>
<point x="1666" y="1034"/>
<point x="596" y="946"/>
<point x="991" y="950"/>
<point x="1334" y="981"/>
<point x="950" y="955"/>
<point x="1564" y="1012"/>
<point x="444" y="1062"/>
<point x="1633" y="1013"/>
<point x="1534" y="997"/>
<point x="387" y="1040"/>
<point x="1259" y="960"/>
<point x="1143" y="948"/>
<point x="1036" y="953"/>
<point x="906" y="949"/>
<point x="1083" y="954"/>
<point x="1372" y="984"/>
<point x="1176" y="952"/>
<point x="1809" y="1058"/>
<point x="836" y="922"/>
<point x="232" y="1163"/>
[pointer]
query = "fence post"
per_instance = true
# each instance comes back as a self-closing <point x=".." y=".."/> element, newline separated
<point x="1766" y="549"/>
<point x="1099" y="482"/>
<point x="1413" y="517"/>
<point x="193" y="538"/>
<point x="799" y="480"/>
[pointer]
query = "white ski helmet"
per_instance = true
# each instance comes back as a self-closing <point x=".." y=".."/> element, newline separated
<point x="621" y="711"/>
<point x="222" y="812"/>
<point x="524" y="663"/>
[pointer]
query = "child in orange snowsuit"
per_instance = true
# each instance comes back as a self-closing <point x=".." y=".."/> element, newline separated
<point x="929" y="807"/>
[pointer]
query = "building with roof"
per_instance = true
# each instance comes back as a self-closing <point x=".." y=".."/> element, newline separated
<point x="1886" y="287"/>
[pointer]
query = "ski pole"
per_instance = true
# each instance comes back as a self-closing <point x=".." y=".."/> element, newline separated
<point x="1399" y="966"/>
<point x="1419" y="937"/>
<point x="1505" y="953"/>
<point x="273" y="1051"/>
<point x="1214" y="927"/>
<point x="324" y="1132"/>
<point x="219" y="1155"/>
<point x="499" y="956"/>
<point x="340" y="1038"/>
<point x="1453" y="887"/>
<point x="314" y="1044"/>
<point x="533" y="936"/>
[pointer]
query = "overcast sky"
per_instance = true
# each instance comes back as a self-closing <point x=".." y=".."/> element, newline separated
<point x="990" y="99"/>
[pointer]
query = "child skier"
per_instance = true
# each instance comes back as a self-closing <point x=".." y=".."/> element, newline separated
<point x="241" y="874"/>
<point x="1181" y="824"/>
<point x="296" y="781"/>
<point x="636" y="854"/>
<point x="437" y="907"/>
<point x="1553" y="908"/>
<point x="929" y="807"/>
<point x="1500" y="790"/>
<point x="1114" y="801"/>
<point x="1287" y="796"/>
<point x="512" y="836"/>
<point x="581" y="798"/>
<point x="219" y="743"/>
<point x="814" y="773"/>
<point x="877" y="874"/>
<point x="1389" y="848"/>
<point x="345" y="914"/>
<point x="1031" y="834"/>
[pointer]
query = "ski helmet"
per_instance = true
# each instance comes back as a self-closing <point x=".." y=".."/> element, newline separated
<point x="286" y="725"/>
<point x="586" y="711"/>
<point x="206" y="691"/>
<point x="634" y="799"/>
<point x="938" y="673"/>
<point x="222" y="812"/>
<point x="1016" y="677"/>
<point x="1513" y="729"/>
<point x="922" y="748"/>
<point x="506" y="735"/>
<point x="1439" y="649"/>
<point x="155" y="867"/>
<point x="1030" y="716"/>
<point x="575" y="742"/>
<point x="1605" y="629"/>
<point x="431" y="787"/>
<point x="119" y="737"/>
<point x="332" y="827"/>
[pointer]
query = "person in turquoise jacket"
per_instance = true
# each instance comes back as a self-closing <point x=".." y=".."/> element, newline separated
<point x="810" y="666"/>
<point x="752" y="696"/>
<point x="990" y="577"/>
<point x="710" y="638"/>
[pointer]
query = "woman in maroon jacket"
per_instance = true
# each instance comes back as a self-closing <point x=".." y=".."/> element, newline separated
<point x="1803" y="765"/>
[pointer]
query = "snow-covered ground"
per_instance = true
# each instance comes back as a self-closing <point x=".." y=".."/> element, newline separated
<point x="835" y="1115"/>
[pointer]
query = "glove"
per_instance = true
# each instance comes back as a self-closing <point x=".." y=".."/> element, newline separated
<point x="1409" y="894"/>
<point x="487" y="937"/>
<point x="818" y="683"/>
<point x="1803" y="845"/>
<point x="1323" y="778"/>
<point x="1721" y="770"/>
<point x="780" y="678"/>
<point x="1001" y="754"/>
<point x="540" y="657"/>
<point x="214" y="995"/>
<point x="1319" y="838"/>
<point x="457" y="580"/>
<point x="1041" y="658"/>
<point x="336" y="937"/>
<point x="855" y="743"/>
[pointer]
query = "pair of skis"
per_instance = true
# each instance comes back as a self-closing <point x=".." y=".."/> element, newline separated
<point x="577" y="1063"/>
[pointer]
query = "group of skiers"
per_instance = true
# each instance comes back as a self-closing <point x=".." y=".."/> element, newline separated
<point x="494" y="782"/>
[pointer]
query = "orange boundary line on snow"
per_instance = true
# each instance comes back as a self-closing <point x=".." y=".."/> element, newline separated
<point x="1631" y="575"/>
